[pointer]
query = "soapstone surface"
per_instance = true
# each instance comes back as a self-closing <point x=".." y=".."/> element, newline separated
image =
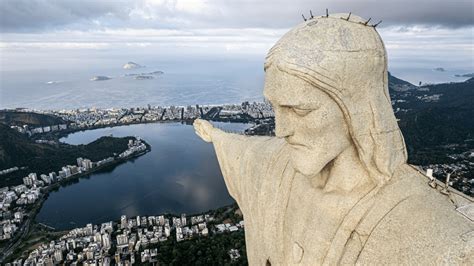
<point x="333" y="185"/>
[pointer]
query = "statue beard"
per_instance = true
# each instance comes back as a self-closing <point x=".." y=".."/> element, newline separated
<point x="314" y="165"/>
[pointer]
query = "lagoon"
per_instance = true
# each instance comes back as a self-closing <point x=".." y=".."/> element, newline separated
<point x="180" y="175"/>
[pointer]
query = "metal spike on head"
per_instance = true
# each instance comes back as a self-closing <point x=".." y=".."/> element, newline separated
<point x="311" y="14"/>
<point x="365" y="23"/>
<point x="375" y="25"/>
<point x="303" y="17"/>
<point x="327" y="13"/>
<point x="349" y="16"/>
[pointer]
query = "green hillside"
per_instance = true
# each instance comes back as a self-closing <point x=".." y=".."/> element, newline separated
<point x="18" y="150"/>
<point x="28" y="118"/>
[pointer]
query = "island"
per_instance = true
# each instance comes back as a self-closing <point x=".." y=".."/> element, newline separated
<point x="131" y="65"/>
<point x="99" y="78"/>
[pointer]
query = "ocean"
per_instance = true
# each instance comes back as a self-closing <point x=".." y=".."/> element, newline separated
<point x="65" y="84"/>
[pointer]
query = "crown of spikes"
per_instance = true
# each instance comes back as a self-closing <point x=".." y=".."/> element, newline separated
<point x="346" y="19"/>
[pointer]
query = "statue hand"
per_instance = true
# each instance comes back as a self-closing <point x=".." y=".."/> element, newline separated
<point x="204" y="129"/>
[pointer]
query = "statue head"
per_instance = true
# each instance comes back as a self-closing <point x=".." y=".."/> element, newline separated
<point x="327" y="80"/>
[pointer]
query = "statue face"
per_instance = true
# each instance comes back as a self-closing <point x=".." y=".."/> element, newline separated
<point x="308" y="119"/>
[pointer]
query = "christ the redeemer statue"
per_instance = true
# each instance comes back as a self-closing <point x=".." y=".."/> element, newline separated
<point x="333" y="186"/>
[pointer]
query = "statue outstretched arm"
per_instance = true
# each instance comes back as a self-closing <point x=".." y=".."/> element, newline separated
<point x="242" y="159"/>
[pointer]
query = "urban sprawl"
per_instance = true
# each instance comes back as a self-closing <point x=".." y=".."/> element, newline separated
<point x="133" y="241"/>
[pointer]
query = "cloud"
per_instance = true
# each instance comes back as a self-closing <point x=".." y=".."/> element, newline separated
<point x="415" y="32"/>
<point x="33" y="15"/>
<point x="403" y="43"/>
<point x="223" y="40"/>
<point x="28" y="15"/>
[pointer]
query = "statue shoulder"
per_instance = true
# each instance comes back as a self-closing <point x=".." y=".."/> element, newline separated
<point x="262" y="153"/>
<point x="423" y="227"/>
<point x="244" y="160"/>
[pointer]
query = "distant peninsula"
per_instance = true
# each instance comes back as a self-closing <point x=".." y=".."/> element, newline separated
<point x="140" y="77"/>
<point x="148" y="75"/>
<point x="145" y="74"/>
<point x="468" y="75"/>
<point x="132" y="65"/>
<point x="100" y="78"/>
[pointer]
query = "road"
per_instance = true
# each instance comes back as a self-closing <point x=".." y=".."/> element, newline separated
<point x="24" y="230"/>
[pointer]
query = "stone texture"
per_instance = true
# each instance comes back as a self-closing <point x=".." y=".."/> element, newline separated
<point x="333" y="186"/>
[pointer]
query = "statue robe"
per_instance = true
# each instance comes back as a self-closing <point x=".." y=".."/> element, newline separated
<point x="289" y="222"/>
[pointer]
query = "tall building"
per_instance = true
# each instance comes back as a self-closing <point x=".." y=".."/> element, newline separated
<point x="122" y="239"/>
<point x="33" y="176"/>
<point x="53" y="176"/>
<point x="161" y="220"/>
<point x="123" y="222"/>
<point x="27" y="181"/>
<point x="98" y="238"/>
<point x="106" y="241"/>
<point x="58" y="256"/>
<point x="79" y="161"/>
<point x="87" y="164"/>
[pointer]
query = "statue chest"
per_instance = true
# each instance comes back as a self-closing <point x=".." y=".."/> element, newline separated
<point x="311" y="221"/>
<point x="300" y="220"/>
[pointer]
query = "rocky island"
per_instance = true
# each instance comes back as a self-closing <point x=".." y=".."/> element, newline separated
<point x="99" y="78"/>
<point x="132" y="65"/>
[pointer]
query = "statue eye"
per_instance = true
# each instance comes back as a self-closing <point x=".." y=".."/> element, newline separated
<point x="301" y="112"/>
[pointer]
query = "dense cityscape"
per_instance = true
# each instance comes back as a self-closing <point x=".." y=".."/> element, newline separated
<point x="128" y="241"/>
<point x="82" y="119"/>
<point x="19" y="204"/>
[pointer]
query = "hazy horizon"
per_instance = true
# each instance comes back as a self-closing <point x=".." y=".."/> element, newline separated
<point x="65" y="41"/>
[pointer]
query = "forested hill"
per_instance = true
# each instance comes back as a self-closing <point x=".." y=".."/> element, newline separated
<point x="15" y="118"/>
<point x="396" y="84"/>
<point x="436" y="120"/>
<point x="17" y="149"/>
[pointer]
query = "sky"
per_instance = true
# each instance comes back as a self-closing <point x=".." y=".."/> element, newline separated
<point x="423" y="33"/>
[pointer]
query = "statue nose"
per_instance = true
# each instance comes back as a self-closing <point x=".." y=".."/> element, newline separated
<point x="283" y="124"/>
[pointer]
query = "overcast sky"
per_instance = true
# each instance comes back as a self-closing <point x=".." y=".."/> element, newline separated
<point x="413" y="30"/>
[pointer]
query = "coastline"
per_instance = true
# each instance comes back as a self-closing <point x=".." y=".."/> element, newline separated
<point x="24" y="230"/>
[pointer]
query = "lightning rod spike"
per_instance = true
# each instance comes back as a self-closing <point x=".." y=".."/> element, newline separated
<point x="367" y="21"/>
<point x="375" y="25"/>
